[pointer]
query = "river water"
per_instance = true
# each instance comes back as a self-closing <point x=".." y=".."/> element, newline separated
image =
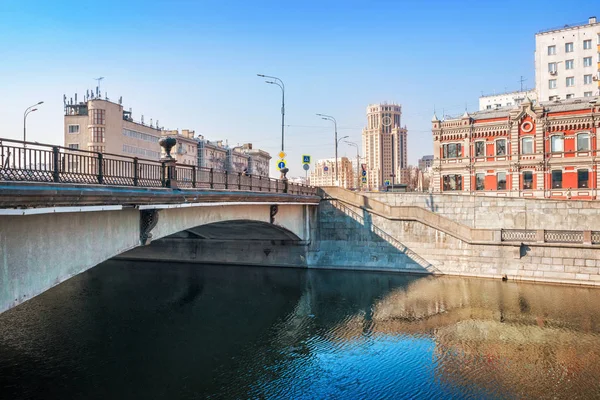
<point x="176" y="331"/>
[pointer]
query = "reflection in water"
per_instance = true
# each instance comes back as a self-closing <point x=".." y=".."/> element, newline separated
<point x="145" y="330"/>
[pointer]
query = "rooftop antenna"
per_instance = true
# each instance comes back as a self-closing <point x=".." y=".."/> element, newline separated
<point x="142" y="119"/>
<point x="98" y="85"/>
<point x="522" y="80"/>
<point x="120" y="100"/>
<point x="75" y="98"/>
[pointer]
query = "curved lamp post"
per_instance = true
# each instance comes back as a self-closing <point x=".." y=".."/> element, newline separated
<point x="28" y="111"/>
<point x="357" y="161"/>
<point x="330" y="118"/>
<point x="278" y="82"/>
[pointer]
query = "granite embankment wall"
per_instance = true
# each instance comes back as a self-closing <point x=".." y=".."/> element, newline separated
<point x="501" y="213"/>
<point x="544" y="240"/>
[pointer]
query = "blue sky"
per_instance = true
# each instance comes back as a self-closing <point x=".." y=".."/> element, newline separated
<point x="193" y="64"/>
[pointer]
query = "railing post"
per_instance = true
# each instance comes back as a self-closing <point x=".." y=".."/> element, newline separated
<point x="211" y="179"/>
<point x="285" y="186"/>
<point x="239" y="181"/>
<point x="250" y="182"/>
<point x="136" y="177"/>
<point x="193" y="176"/>
<point x="260" y="183"/>
<point x="226" y="180"/>
<point x="56" y="164"/>
<point x="171" y="173"/>
<point x="163" y="174"/>
<point x="100" y="169"/>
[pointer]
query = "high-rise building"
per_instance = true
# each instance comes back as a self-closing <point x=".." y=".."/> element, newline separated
<point x="567" y="61"/>
<point x="384" y="145"/>
<point x="102" y="126"/>
<point x="425" y="163"/>
<point x="324" y="173"/>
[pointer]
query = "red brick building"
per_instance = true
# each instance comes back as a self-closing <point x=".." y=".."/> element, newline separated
<point x="546" y="150"/>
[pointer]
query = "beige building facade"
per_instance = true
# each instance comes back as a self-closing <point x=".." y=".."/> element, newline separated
<point x="212" y="154"/>
<point x="186" y="149"/>
<point x="103" y="126"/>
<point x="323" y="173"/>
<point x="258" y="161"/>
<point x="384" y="146"/>
<point x="567" y="61"/>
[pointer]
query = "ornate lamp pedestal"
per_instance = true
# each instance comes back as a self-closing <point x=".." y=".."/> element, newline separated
<point x="169" y="172"/>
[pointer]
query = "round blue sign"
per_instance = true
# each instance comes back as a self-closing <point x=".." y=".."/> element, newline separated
<point x="325" y="169"/>
<point x="281" y="165"/>
<point x="364" y="173"/>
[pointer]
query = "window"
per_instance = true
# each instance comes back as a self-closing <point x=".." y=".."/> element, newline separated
<point x="479" y="181"/>
<point x="570" y="95"/>
<point x="73" y="129"/>
<point x="508" y="104"/>
<point x="569" y="64"/>
<point x="552" y="83"/>
<point x="587" y="61"/>
<point x="501" y="147"/>
<point x="98" y="134"/>
<point x="556" y="179"/>
<point x="452" y="150"/>
<point x="74" y="146"/>
<point x="569" y="47"/>
<point x="556" y="144"/>
<point x="452" y="182"/>
<point x="587" y="44"/>
<point x="527" y="145"/>
<point x="527" y="180"/>
<point x="587" y="79"/>
<point x="583" y="142"/>
<point x="98" y="117"/>
<point x="488" y="107"/>
<point x="587" y="94"/>
<point x="570" y="81"/>
<point x="480" y="149"/>
<point x="552" y="67"/>
<point x="552" y="50"/>
<point x="583" y="178"/>
<point x="501" y="181"/>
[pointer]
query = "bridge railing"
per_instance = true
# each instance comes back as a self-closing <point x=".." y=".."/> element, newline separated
<point x="35" y="162"/>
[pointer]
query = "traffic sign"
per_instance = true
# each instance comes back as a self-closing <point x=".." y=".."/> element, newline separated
<point x="325" y="168"/>
<point x="282" y="155"/>
<point x="364" y="173"/>
<point x="306" y="167"/>
<point x="364" y="179"/>
<point x="387" y="182"/>
<point x="305" y="159"/>
<point x="281" y="164"/>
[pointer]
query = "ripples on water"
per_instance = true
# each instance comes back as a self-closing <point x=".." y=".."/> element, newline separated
<point x="159" y="331"/>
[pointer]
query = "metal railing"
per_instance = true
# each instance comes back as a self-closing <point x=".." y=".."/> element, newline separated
<point x="35" y="162"/>
<point x="549" y="236"/>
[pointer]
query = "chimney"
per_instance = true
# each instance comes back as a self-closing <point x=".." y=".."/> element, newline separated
<point x="592" y="20"/>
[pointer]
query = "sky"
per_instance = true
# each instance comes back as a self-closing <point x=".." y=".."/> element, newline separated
<point x="193" y="64"/>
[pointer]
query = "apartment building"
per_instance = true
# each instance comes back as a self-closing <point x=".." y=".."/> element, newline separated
<point x="545" y="150"/>
<point x="103" y="126"/>
<point x="323" y="173"/>
<point x="567" y="61"/>
<point x="493" y="101"/>
<point x="384" y="146"/>
<point x="186" y="149"/>
<point x="258" y="161"/>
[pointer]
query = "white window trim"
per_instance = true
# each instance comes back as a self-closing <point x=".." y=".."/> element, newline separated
<point x="560" y="135"/>
<point x="532" y="137"/>
<point x="475" y="148"/>
<point x="505" y="148"/>
<point x="453" y="142"/>
<point x="73" y="133"/>
<point x="589" y="141"/>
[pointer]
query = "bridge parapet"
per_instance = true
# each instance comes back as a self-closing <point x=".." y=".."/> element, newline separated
<point x="35" y="162"/>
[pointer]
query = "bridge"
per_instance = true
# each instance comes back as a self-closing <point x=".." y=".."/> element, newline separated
<point x="64" y="211"/>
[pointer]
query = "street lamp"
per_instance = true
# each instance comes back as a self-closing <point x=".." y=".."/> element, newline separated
<point x="28" y="111"/>
<point x="357" y="162"/>
<point x="330" y="118"/>
<point x="278" y="82"/>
